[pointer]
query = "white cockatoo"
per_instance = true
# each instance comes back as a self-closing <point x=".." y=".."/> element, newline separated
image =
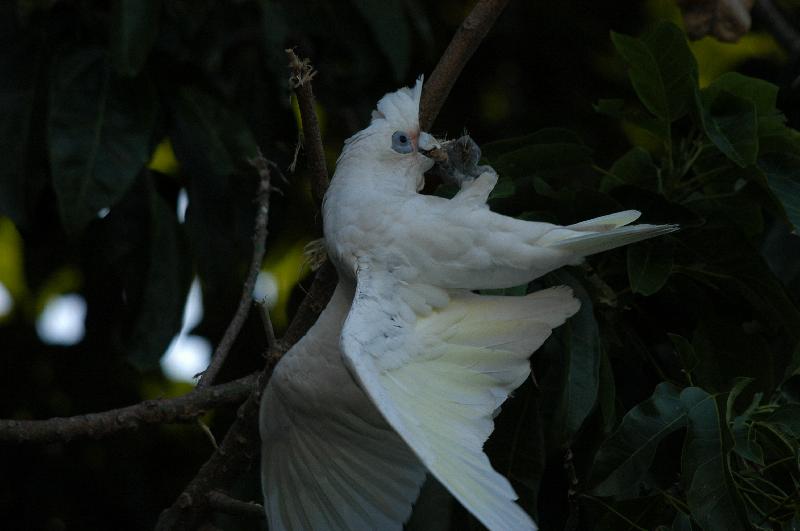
<point x="404" y="369"/>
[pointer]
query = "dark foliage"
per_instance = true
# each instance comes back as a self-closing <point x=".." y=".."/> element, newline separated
<point x="672" y="399"/>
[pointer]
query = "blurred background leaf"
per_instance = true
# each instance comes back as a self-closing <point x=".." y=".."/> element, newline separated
<point x="127" y="127"/>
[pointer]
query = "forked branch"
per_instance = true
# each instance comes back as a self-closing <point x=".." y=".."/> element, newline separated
<point x="95" y="425"/>
<point x="241" y="444"/>
<point x="263" y="166"/>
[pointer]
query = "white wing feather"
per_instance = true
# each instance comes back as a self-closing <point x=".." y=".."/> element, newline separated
<point x="438" y="378"/>
<point x="329" y="459"/>
<point x="459" y="243"/>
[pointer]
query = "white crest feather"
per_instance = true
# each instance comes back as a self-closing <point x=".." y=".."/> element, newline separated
<point x="401" y="107"/>
<point x="396" y="111"/>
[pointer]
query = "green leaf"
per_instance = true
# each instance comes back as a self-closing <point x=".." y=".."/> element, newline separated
<point x="739" y="385"/>
<point x="100" y="130"/>
<point x="625" y="457"/>
<point x="14" y="127"/>
<point x="725" y="259"/>
<point x="504" y="189"/>
<point x="712" y="497"/>
<point x="189" y="15"/>
<point x="779" y="160"/>
<point x="607" y="394"/>
<point x="745" y="444"/>
<point x="139" y="270"/>
<point x="23" y="100"/>
<point x="543" y="160"/>
<point x="763" y="94"/>
<point x="387" y="21"/>
<point x="743" y="208"/>
<point x="649" y="266"/>
<point x="166" y="285"/>
<point x="549" y="135"/>
<point x="222" y="134"/>
<point x="744" y="436"/>
<point x="643" y="513"/>
<point x="731" y="123"/>
<point x="212" y="144"/>
<point x="636" y="116"/>
<point x="682" y="522"/>
<point x="727" y="351"/>
<point x="790" y="388"/>
<point x="133" y="30"/>
<point x="786" y="189"/>
<point x="611" y="107"/>
<point x="662" y="69"/>
<point x="635" y="167"/>
<point x="517" y="445"/>
<point x="581" y="358"/>
<point x="685" y="352"/>
<point x="786" y="419"/>
<point x="794" y="524"/>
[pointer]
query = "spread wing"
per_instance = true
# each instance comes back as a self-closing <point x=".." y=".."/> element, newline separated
<point x="438" y="364"/>
<point x="329" y="459"/>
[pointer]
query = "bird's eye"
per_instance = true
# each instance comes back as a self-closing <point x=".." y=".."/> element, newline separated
<point x="401" y="142"/>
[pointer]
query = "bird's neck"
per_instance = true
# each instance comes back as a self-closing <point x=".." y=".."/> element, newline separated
<point x="382" y="176"/>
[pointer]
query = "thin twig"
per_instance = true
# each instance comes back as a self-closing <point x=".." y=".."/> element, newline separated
<point x="297" y="146"/>
<point x="314" y="302"/>
<point x="269" y="330"/>
<point x="300" y="80"/>
<point x="246" y="300"/>
<point x="241" y="444"/>
<point x="573" y="520"/>
<point x="464" y="43"/>
<point x="208" y="433"/>
<point x="95" y="425"/>
<point x="219" y="501"/>
<point x="780" y="28"/>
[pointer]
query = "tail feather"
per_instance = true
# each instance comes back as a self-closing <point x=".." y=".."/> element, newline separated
<point x="595" y="242"/>
<point x="606" y="223"/>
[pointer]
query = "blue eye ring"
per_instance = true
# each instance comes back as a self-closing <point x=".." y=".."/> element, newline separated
<point x="401" y="142"/>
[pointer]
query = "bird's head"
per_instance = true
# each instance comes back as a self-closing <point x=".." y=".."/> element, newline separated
<point x="393" y="141"/>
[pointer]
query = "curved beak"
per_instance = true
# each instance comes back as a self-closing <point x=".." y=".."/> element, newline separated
<point x="428" y="146"/>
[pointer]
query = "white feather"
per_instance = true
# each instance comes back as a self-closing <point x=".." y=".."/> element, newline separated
<point x="433" y="361"/>
<point x="439" y="379"/>
<point x="329" y="459"/>
<point x="604" y="223"/>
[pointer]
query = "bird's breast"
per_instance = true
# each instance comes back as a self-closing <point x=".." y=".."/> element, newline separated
<point x="361" y="225"/>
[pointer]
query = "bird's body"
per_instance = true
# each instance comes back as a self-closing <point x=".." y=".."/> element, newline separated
<point x="405" y="368"/>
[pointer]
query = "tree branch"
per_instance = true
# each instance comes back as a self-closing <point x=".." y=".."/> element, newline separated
<point x="241" y="444"/>
<point x="95" y="425"/>
<point x="300" y="80"/>
<point x="464" y="43"/>
<point x="780" y="28"/>
<point x="219" y="501"/>
<point x="246" y="300"/>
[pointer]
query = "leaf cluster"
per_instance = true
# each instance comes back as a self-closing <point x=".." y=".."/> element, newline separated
<point x="115" y="117"/>
<point x="670" y="400"/>
<point x="706" y="318"/>
<point x="112" y="111"/>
